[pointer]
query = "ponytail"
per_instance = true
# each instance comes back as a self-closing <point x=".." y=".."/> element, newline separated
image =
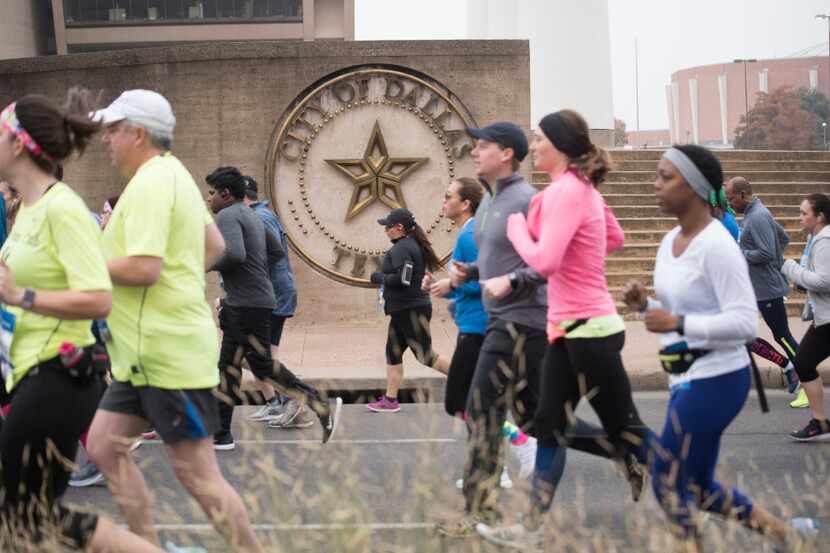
<point x="592" y="166"/>
<point x="430" y="259"/>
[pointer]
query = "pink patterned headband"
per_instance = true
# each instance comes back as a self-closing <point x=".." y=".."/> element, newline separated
<point x="9" y="121"/>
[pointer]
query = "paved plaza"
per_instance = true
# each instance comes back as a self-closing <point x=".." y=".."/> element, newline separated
<point x="385" y="480"/>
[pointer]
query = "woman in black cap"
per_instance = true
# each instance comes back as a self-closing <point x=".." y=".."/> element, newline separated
<point x="408" y="306"/>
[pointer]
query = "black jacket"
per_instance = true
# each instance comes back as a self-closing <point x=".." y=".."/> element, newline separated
<point x="398" y="296"/>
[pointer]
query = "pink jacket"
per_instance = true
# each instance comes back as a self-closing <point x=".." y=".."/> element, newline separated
<point x="568" y="232"/>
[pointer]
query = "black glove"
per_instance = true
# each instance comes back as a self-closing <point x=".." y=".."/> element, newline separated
<point x="377" y="278"/>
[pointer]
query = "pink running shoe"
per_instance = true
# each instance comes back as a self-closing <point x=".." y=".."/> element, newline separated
<point x="384" y="405"/>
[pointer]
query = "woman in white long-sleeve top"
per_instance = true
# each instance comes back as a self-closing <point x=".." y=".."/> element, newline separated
<point x="705" y="312"/>
<point x="815" y="346"/>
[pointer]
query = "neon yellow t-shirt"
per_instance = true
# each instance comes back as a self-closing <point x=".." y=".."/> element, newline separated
<point x="162" y="335"/>
<point x="54" y="245"/>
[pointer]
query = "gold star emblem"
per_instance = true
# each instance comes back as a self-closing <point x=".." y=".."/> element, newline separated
<point x="376" y="175"/>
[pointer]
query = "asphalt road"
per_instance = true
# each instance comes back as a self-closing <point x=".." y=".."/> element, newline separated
<point x="384" y="481"/>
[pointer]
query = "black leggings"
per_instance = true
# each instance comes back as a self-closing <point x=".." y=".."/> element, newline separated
<point x="38" y="442"/>
<point x="410" y="329"/>
<point x="246" y="333"/>
<point x="460" y="375"/>
<point x="775" y="315"/>
<point x="592" y="367"/>
<point x="815" y="348"/>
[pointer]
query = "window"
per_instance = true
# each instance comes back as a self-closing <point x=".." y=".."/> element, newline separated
<point x="160" y="12"/>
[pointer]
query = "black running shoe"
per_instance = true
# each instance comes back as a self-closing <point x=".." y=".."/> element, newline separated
<point x="815" y="431"/>
<point x="223" y="441"/>
<point x="329" y="418"/>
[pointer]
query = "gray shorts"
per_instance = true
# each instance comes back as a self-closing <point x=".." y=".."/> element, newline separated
<point x="176" y="415"/>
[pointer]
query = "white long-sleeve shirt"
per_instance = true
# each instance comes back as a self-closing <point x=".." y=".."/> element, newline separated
<point x="709" y="285"/>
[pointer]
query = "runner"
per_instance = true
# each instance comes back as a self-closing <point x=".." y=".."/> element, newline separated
<point x="565" y="237"/>
<point x="721" y="211"/>
<point x="245" y="316"/>
<point x="408" y="307"/>
<point x="460" y="204"/>
<point x="814" y="276"/>
<point x="53" y="282"/>
<point x="282" y="280"/>
<point x="762" y="242"/>
<point x="158" y="243"/>
<point x="705" y="312"/>
<point x="507" y="370"/>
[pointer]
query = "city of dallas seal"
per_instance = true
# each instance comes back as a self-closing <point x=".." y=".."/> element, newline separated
<point x="357" y="145"/>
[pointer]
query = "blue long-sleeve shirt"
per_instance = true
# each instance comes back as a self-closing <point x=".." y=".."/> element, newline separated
<point x="469" y="312"/>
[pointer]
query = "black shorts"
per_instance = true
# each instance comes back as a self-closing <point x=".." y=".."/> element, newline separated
<point x="462" y="368"/>
<point x="175" y="415"/>
<point x="277" y="323"/>
<point x="410" y="329"/>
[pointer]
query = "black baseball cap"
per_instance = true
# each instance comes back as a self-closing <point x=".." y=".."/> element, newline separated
<point x="251" y="187"/>
<point x="506" y="134"/>
<point x="398" y="216"/>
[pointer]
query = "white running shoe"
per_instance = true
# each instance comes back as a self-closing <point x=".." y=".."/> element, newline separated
<point x="512" y="535"/>
<point x="504" y="482"/>
<point x="525" y="456"/>
<point x="290" y="409"/>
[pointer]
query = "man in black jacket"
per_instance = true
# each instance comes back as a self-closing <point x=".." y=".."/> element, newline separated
<point x="245" y="316"/>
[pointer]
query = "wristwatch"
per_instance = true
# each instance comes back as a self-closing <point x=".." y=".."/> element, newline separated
<point x="680" y="323"/>
<point x="28" y="299"/>
<point x="514" y="280"/>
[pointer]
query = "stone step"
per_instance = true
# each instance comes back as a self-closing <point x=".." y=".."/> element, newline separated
<point x="800" y="189"/>
<point x="727" y="155"/>
<point x="793" y="307"/>
<point x="649" y="249"/>
<point x="734" y="166"/>
<point x="640" y="236"/>
<point x="617" y="291"/>
<point x="627" y="211"/>
<point x="615" y="199"/>
<point x="751" y="176"/>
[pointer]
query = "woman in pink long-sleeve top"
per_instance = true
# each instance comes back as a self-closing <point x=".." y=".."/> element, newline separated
<point x="566" y="236"/>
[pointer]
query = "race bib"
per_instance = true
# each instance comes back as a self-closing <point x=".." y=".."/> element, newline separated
<point x="7" y="323"/>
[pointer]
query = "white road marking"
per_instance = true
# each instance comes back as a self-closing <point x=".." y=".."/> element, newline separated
<point x="297" y="527"/>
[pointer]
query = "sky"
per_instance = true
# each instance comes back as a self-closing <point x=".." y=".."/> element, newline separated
<point x="671" y="35"/>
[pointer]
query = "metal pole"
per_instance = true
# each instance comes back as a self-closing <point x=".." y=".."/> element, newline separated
<point x="827" y="18"/>
<point x="637" y="88"/>
<point x="746" y="95"/>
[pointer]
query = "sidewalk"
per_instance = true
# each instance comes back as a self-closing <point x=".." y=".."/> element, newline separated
<point x="350" y="356"/>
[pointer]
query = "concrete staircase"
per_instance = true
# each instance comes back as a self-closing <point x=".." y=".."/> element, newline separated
<point x="780" y="179"/>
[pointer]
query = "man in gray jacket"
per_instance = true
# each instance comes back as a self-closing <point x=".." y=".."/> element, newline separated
<point x="762" y="242"/>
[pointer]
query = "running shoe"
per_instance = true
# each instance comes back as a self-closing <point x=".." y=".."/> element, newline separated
<point x="525" y="456"/>
<point x="512" y="535"/>
<point x="464" y="524"/>
<point x="302" y="419"/>
<point x="87" y="475"/>
<point x="331" y="419"/>
<point x="803" y="532"/>
<point x="792" y="378"/>
<point x="290" y="410"/>
<point x="384" y="405"/>
<point x="504" y="481"/>
<point x="171" y="548"/>
<point x="815" y="431"/>
<point x="267" y="412"/>
<point x="801" y="402"/>
<point x="223" y="441"/>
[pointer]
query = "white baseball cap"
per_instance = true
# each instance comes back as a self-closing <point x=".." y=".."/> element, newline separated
<point x="145" y="108"/>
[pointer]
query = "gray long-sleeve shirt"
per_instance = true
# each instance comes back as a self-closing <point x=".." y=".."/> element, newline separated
<point x="249" y="250"/>
<point x="762" y="242"/>
<point x="527" y="304"/>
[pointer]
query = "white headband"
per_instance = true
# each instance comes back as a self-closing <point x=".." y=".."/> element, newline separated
<point x="690" y="172"/>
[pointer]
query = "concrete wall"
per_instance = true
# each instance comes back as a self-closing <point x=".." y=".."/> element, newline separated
<point x="20" y="35"/>
<point x="723" y="94"/>
<point x="228" y="98"/>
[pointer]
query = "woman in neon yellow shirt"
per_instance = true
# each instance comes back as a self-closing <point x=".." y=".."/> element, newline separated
<point x="53" y="283"/>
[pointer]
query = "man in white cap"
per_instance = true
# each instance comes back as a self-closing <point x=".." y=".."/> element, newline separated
<point x="164" y="344"/>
